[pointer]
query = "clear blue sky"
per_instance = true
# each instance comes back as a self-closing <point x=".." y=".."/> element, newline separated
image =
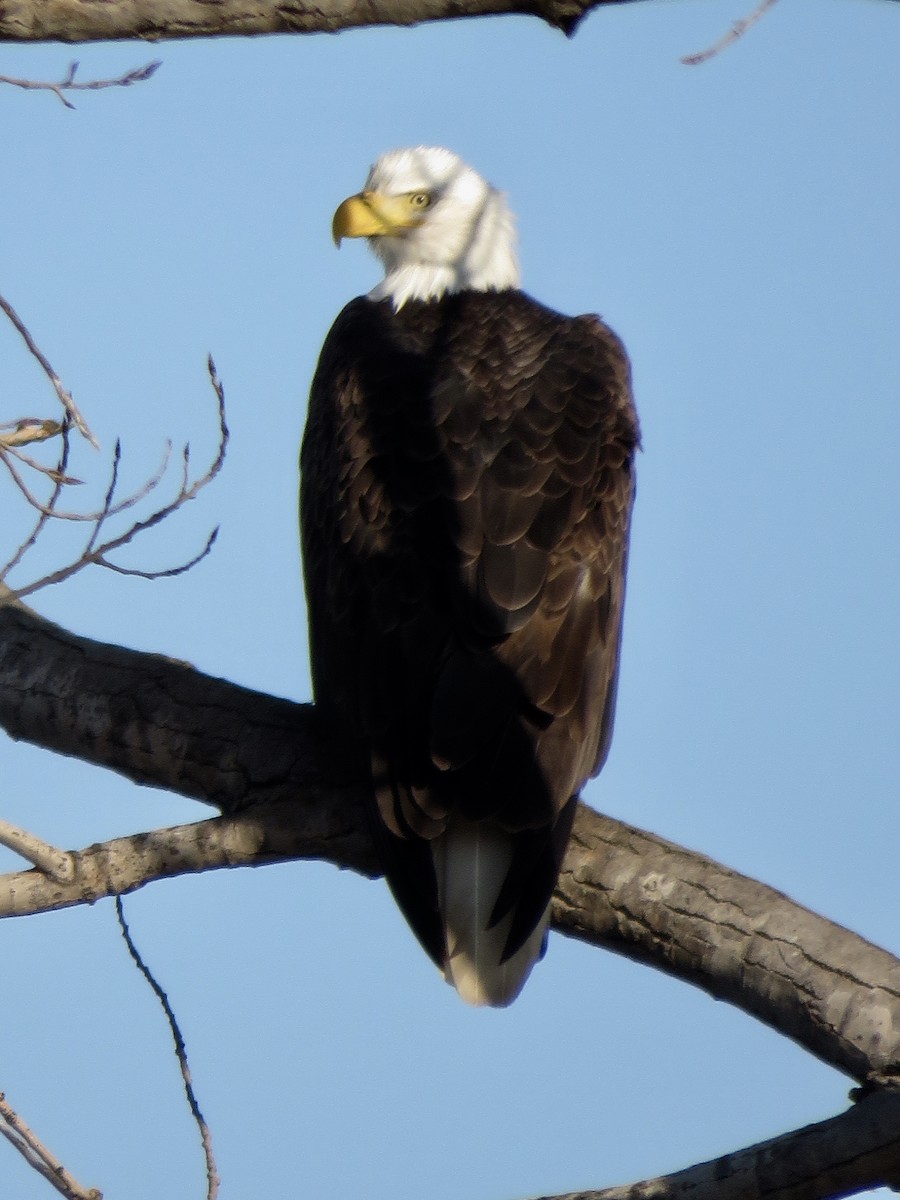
<point x="737" y="223"/>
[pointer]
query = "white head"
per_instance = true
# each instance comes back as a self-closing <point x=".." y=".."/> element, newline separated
<point x="436" y="225"/>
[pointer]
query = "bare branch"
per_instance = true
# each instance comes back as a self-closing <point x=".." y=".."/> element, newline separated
<point x="107" y="503"/>
<point x="65" y="397"/>
<point x="106" y="20"/>
<point x="212" y="1175"/>
<point x="28" y="431"/>
<point x="68" y="84"/>
<point x="98" y="554"/>
<point x="294" y="792"/>
<point x="56" y="476"/>
<point x="850" y="1153"/>
<point x="738" y="29"/>
<point x="53" y="475"/>
<point x="819" y="1161"/>
<point x="45" y="512"/>
<point x="57" y="864"/>
<point x="166" y="573"/>
<point x="332" y="831"/>
<point x="827" y="988"/>
<point x="36" y="1154"/>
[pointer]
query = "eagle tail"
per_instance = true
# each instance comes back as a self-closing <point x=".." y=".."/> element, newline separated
<point x="472" y="860"/>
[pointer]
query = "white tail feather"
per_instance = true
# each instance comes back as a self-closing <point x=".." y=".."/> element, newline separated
<point x="471" y="861"/>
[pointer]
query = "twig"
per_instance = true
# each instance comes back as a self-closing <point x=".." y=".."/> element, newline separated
<point x="212" y="1177"/>
<point x="52" y="474"/>
<point x="99" y="554"/>
<point x="107" y="501"/>
<point x="27" y="431"/>
<point x="164" y="573"/>
<point x="65" y="397"/>
<point x="44" y="512"/>
<point x="58" y="864"/>
<point x="738" y="29"/>
<point x="68" y="84"/>
<point x="38" y="1156"/>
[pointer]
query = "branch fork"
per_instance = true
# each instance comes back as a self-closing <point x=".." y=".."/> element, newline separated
<point x="58" y="865"/>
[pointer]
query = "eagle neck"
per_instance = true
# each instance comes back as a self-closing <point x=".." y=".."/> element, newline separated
<point x="479" y="256"/>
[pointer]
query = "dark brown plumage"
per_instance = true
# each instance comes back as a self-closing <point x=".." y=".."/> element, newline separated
<point x="467" y="482"/>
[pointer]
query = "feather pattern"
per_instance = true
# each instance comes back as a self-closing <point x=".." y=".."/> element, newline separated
<point x="472" y="860"/>
<point x="467" y="482"/>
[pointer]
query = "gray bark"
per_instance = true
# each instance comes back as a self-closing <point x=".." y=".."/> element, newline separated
<point x="286" y="791"/>
<point x="157" y="20"/>
<point x="829" y="1159"/>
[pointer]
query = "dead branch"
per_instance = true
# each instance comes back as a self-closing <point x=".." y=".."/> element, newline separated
<point x="28" y="431"/>
<point x="56" y="864"/>
<point x="828" y="989"/>
<point x="857" y="1150"/>
<point x="64" y="396"/>
<point x="109" y="20"/>
<point x="97" y="552"/>
<point x="212" y="1175"/>
<point x="291" y="792"/>
<point x="36" y="1154"/>
<point x="112" y="20"/>
<point x="58" y="477"/>
<point x="68" y="84"/>
<point x="737" y="30"/>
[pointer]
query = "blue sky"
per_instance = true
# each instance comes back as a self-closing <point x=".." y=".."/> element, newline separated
<point x="737" y="224"/>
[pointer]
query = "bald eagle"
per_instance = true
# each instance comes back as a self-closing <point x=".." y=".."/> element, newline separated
<point x="467" y="483"/>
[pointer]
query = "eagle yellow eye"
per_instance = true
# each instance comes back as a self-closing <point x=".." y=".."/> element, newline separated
<point x="419" y="199"/>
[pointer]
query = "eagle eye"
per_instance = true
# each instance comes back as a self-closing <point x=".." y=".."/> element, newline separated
<point x="419" y="199"/>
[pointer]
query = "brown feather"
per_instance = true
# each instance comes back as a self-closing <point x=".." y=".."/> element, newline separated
<point x="467" y="482"/>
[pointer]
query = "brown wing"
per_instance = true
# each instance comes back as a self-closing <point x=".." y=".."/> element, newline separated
<point x="467" y="485"/>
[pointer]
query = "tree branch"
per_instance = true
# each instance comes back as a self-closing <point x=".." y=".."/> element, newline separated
<point x="828" y="989"/>
<point x="289" y="792"/>
<point x="110" y="20"/>
<point x="151" y="20"/>
<point x="737" y="31"/>
<point x="96" y="552"/>
<point x="858" y="1150"/>
<point x="63" y="395"/>
<point x="58" y="864"/>
<point x="36" y="1154"/>
<point x="212" y="1171"/>
<point x="68" y="84"/>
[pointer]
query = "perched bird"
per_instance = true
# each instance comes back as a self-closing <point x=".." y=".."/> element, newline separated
<point x="467" y="483"/>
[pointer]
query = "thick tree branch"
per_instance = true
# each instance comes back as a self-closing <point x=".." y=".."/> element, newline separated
<point x="269" y="764"/>
<point x="153" y="719"/>
<point x="287" y="792"/>
<point x="110" y="20"/>
<point x="848" y="1154"/>
<point x="834" y="993"/>
<point x="36" y="1154"/>
<point x="158" y="20"/>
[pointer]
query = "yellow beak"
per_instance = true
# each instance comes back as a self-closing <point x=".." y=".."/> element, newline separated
<point x="373" y="214"/>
